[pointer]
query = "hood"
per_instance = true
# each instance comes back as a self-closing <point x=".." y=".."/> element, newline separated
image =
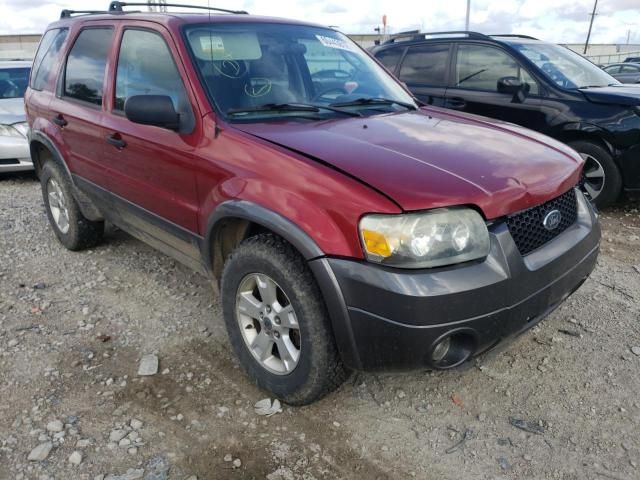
<point x="434" y="158"/>
<point x="12" y="110"/>
<point x="623" y="94"/>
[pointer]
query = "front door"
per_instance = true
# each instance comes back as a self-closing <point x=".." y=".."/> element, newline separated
<point x="152" y="168"/>
<point x="474" y="86"/>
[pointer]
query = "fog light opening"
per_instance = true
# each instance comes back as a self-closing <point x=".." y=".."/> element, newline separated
<point x="452" y="349"/>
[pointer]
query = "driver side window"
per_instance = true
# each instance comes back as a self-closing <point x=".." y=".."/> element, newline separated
<point x="480" y="67"/>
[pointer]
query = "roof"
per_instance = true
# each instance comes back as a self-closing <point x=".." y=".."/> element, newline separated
<point x="178" y="18"/>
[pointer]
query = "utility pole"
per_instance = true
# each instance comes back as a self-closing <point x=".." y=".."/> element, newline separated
<point x="466" y="23"/>
<point x="628" y="36"/>
<point x="593" y="15"/>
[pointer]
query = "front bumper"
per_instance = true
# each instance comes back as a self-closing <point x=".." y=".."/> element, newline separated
<point x="14" y="155"/>
<point x="387" y="318"/>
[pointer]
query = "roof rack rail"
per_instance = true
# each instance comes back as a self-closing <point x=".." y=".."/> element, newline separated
<point x="515" y="35"/>
<point x="69" y="13"/>
<point x="117" y="7"/>
<point x="422" y="36"/>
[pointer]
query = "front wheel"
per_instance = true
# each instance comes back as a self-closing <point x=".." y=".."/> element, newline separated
<point x="602" y="179"/>
<point x="277" y="321"/>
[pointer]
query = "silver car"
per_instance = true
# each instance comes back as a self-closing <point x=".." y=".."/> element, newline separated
<point x="624" y="72"/>
<point x="14" y="149"/>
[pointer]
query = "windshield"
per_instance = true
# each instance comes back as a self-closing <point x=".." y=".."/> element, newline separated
<point x="565" y="67"/>
<point x="13" y="82"/>
<point x="253" y="71"/>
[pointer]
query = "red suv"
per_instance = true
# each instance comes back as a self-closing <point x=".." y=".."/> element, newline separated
<point x="347" y="226"/>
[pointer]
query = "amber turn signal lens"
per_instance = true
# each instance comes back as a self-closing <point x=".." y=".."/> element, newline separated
<point x="376" y="243"/>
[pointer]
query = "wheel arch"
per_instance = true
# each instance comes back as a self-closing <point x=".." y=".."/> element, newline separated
<point x="234" y="220"/>
<point x="588" y="133"/>
<point x="43" y="149"/>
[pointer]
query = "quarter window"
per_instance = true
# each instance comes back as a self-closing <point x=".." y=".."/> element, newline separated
<point x="84" y="74"/>
<point x="44" y="60"/>
<point x="479" y="68"/>
<point x="146" y="67"/>
<point x="390" y="58"/>
<point x="426" y="65"/>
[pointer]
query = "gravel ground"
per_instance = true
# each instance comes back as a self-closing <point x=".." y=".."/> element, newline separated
<point x="560" y="402"/>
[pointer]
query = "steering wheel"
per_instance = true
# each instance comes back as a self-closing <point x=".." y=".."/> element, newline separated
<point x="555" y="75"/>
<point x="335" y="73"/>
<point x="339" y="90"/>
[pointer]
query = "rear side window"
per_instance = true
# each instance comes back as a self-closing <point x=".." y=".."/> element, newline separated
<point x="426" y="65"/>
<point x="86" y="63"/>
<point x="390" y="58"/>
<point x="629" y="69"/>
<point x="44" y="60"/>
<point x="146" y="67"/>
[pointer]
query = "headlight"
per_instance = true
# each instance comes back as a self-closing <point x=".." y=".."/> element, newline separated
<point x="434" y="238"/>
<point x="9" y="131"/>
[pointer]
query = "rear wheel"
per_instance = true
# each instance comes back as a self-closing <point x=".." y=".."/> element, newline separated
<point x="602" y="179"/>
<point x="73" y="230"/>
<point x="277" y="321"/>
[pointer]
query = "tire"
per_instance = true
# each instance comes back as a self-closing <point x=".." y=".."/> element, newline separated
<point x="596" y="156"/>
<point x="76" y="233"/>
<point x="319" y="369"/>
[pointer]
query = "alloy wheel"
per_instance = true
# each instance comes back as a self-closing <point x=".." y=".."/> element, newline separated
<point x="594" y="176"/>
<point x="58" y="205"/>
<point x="268" y="323"/>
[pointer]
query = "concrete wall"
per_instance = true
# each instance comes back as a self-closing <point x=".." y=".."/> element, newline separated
<point x="23" y="47"/>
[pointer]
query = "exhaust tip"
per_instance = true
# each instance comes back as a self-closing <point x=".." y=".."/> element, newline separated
<point x="452" y="349"/>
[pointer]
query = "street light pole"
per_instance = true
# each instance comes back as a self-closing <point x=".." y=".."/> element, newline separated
<point x="593" y="15"/>
<point x="466" y="23"/>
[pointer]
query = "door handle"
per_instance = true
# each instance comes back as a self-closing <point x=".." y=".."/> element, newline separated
<point x="456" y="102"/>
<point x="115" y="140"/>
<point x="59" y="120"/>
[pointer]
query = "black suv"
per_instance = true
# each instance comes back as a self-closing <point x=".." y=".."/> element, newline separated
<point x="538" y="85"/>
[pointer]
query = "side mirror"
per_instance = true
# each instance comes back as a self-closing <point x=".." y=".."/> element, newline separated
<point x="156" y="110"/>
<point x="510" y="85"/>
<point x="514" y="86"/>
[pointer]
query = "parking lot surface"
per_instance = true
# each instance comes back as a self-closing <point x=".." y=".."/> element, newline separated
<point x="562" y="401"/>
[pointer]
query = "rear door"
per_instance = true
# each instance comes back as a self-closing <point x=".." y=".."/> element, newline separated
<point x="474" y="86"/>
<point x="425" y="69"/>
<point x="629" y="74"/>
<point x="77" y="108"/>
<point x="152" y="168"/>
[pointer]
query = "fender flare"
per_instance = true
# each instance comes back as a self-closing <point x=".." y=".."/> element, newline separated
<point x="87" y="207"/>
<point x="38" y="136"/>
<point x="264" y="217"/>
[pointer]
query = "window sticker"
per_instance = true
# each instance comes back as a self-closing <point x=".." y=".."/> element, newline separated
<point x="334" y="43"/>
<point x="211" y="45"/>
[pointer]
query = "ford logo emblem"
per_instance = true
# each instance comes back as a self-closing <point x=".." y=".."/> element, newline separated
<point x="552" y="220"/>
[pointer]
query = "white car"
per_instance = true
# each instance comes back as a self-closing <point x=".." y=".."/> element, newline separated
<point x="14" y="148"/>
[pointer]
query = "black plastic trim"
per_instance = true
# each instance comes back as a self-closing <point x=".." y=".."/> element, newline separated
<point x="162" y="234"/>
<point x="269" y="219"/>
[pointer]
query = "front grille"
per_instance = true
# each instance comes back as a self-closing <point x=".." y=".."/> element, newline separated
<point x="527" y="227"/>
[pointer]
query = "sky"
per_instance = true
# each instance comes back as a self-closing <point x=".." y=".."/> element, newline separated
<point x="561" y="21"/>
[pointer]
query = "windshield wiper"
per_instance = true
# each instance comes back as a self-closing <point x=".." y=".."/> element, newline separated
<point x="291" y="107"/>
<point x="373" y="101"/>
